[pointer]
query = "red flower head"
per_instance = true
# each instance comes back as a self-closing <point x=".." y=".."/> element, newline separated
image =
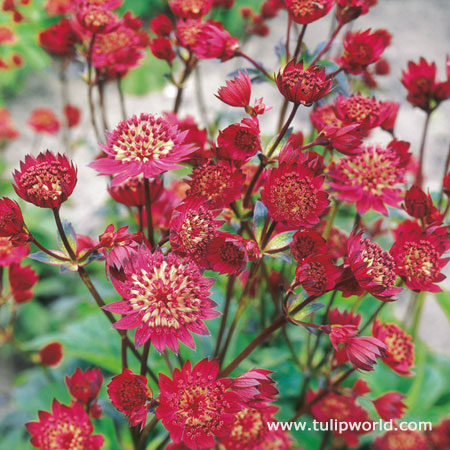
<point x="188" y="32"/>
<point x="161" y="25"/>
<point x="317" y="274"/>
<point x="303" y="86"/>
<point x="323" y="116"/>
<point x="400" y="348"/>
<point x="417" y="203"/>
<point x="418" y="255"/>
<point x="130" y="394"/>
<point x="8" y="130"/>
<point x="72" y="114"/>
<point x="146" y="145"/>
<point x="240" y="141"/>
<point x="43" y="120"/>
<point x="85" y="386"/>
<point x="10" y="253"/>
<point x="220" y="183"/>
<point x="227" y="253"/>
<point x="132" y="193"/>
<point x="192" y="228"/>
<point x="255" y="388"/>
<point x="11" y="219"/>
<point x="346" y="139"/>
<point x="58" y="7"/>
<point x="161" y="48"/>
<point x="59" y="39"/>
<point x="370" y="177"/>
<point x="190" y="8"/>
<point x="51" y="354"/>
<point x="361" y="49"/>
<point x="307" y="11"/>
<point x="165" y="299"/>
<point x="293" y="195"/>
<point x="237" y="91"/>
<point x="93" y="19"/>
<point x="306" y="243"/>
<point x="439" y="437"/>
<point x="195" y="406"/>
<point x="21" y="280"/>
<point x="65" y="427"/>
<point x="337" y="317"/>
<point x="400" y="440"/>
<point x="390" y="405"/>
<point x="47" y="180"/>
<point x="373" y="269"/>
<point x="348" y="10"/>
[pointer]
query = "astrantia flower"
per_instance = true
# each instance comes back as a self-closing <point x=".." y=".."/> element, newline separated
<point x="130" y="394"/>
<point x="47" y="180"/>
<point x="93" y="19"/>
<point x="400" y="348"/>
<point x="370" y="178"/>
<point x="220" y="183"/>
<point x="305" y="86"/>
<point x="132" y="192"/>
<point x="294" y="196"/>
<point x="43" y="120"/>
<point x="337" y="317"/>
<point x="190" y="8"/>
<point x="161" y="48"/>
<point x="373" y="268"/>
<point x="147" y="145"/>
<point x="255" y="388"/>
<point x="195" y="406"/>
<point x="161" y="25"/>
<point x="418" y="255"/>
<point x="165" y="299"/>
<point x="21" y="281"/>
<point x="85" y="386"/>
<point x="58" y="39"/>
<point x="306" y="243"/>
<point x="398" y="439"/>
<point x="237" y="91"/>
<point x="10" y="253"/>
<point x="417" y="203"/>
<point x="390" y="405"/>
<point x="66" y="427"/>
<point x="11" y="219"/>
<point x="240" y="141"/>
<point x="346" y="139"/>
<point x="439" y="437"/>
<point x="307" y="11"/>
<point x="227" y="253"/>
<point x="192" y="228"/>
<point x="322" y="116"/>
<point x="348" y="10"/>
<point x="50" y="355"/>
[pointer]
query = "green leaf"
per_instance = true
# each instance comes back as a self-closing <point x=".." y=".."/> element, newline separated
<point x="71" y="237"/>
<point x="280" y="241"/>
<point x="306" y="311"/>
<point x="259" y="218"/>
<point x="47" y="259"/>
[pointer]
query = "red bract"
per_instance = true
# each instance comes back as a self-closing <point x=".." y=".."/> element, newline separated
<point x="190" y="8"/>
<point x="59" y="39"/>
<point x="370" y="177"/>
<point x="85" y="386"/>
<point x="72" y="114"/>
<point x="65" y="427"/>
<point x="21" y="281"/>
<point x="337" y="317"/>
<point x="220" y="183"/>
<point x="398" y="439"/>
<point x="307" y="11"/>
<point x="132" y="193"/>
<point x="348" y="10"/>
<point x="192" y="228"/>
<point x="8" y="130"/>
<point x="361" y="49"/>
<point x="293" y="195"/>
<point x="306" y="243"/>
<point x="51" y="354"/>
<point x="166" y="299"/>
<point x="130" y="394"/>
<point x="43" y="120"/>
<point x="161" y="48"/>
<point x="418" y="255"/>
<point x="303" y="86"/>
<point x="161" y="25"/>
<point x="195" y="406"/>
<point x="390" y="405"/>
<point x="10" y="253"/>
<point x="226" y="254"/>
<point x="147" y="145"/>
<point x="345" y="139"/>
<point x="400" y="348"/>
<point x="237" y="91"/>
<point x="11" y="219"/>
<point x="47" y="180"/>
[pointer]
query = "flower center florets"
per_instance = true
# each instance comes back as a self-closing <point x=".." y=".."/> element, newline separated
<point x="381" y="265"/>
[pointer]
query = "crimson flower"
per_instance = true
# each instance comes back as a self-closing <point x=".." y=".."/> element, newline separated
<point x="348" y="10"/>
<point x="59" y="39"/>
<point x="398" y="439"/>
<point x="308" y="11"/>
<point x="390" y="405"/>
<point x="346" y="139"/>
<point x="227" y="253"/>
<point x="130" y="394"/>
<point x="147" y="145"/>
<point x="417" y="203"/>
<point x="307" y="243"/>
<point x="85" y="386"/>
<point x="132" y="192"/>
<point x="195" y="406"/>
<point x="43" y="120"/>
<point x="46" y="181"/>
<point x="11" y="253"/>
<point x="255" y="388"/>
<point x="11" y="219"/>
<point x="190" y="8"/>
<point x="51" y="354"/>
<point x="21" y="281"/>
<point x="337" y="317"/>
<point x="439" y="437"/>
<point x="72" y="114"/>
<point x="161" y="25"/>
<point x="400" y="348"/>
<point x="303" y="86"/>
<point x="166" y="298"/>
<point x="161" y="48"/>
<point x="237" y="91"/>
<point x="65" y="427"/>
<point x="91" y="19"/>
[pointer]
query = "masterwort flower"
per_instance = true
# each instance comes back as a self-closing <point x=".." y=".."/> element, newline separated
<point x="308" y="11"/>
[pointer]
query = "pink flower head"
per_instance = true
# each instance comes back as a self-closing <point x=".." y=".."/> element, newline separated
<point x="10" y="253"/>
<point x="92" y="19"/>
<point x="161" y="25"/>
<point x="227" y="253"/>
<point x="65" y="427"/>
<point x="132" y="193"/>
<point x="21" y="281"/>
<point x="190" y="8"/>
<point x="237" y="91"/>
<point x="390" y="405"/>
<point x="398" y="439"/>
<point x="44" y="120"/>
<point x="85" y="386"/>
<point x="308" y="11"/>
<point x="166" y="299"/>
<point x="146" y="145"/>
<point x="195" y="406"/>
<point x="130" y="394"/>
<point x="59" y="39"/>
<point x="346" y="139"/>
<point x="47" y="180"/>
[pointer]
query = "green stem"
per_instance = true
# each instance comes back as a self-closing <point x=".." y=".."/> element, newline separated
<point x="63" y="236"/>
<point x="419" y="174"/>
<point x="148" y="210"/>
<point x="418" y="308"/>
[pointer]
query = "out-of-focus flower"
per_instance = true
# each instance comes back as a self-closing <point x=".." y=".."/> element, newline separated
<point x="43" y="120"/>
<point x="439" y="437"/>
<point x="91" y="19"/>
<point x="161" y="25"/>
<point x="390" y="405"/>
<point x="85" y="386"/>
<point x="398" y="439"/>
<point x="58" y="7"/>
<point x="161" y="48"/>
<point x="132" y="192"/>
<point x="10" y="253"/>
<point x="227" y="253"/>
<point x="72" y="114"/>
<point x="51" y="354"/>
<point x="47" y="180"/>
<point x="308" y="11"/>
<point x="11" y="219"/>
<point x="7" y="35"/>
<point x="8" y="131"/>
<point x="237" y="91"/>
<point x="186" y="9"/>
<point x="59" y="39"/>
<point x="348" y="10"/>
<point x="21" y="281"/>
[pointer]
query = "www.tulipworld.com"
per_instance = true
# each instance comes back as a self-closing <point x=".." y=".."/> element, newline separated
<point x="342" y="427"/>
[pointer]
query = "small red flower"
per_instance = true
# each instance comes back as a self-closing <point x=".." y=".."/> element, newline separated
<point x="390" y="406"/>
<point x="21" y="281"/>
<point x="72" y="114"/>
<point x="43" y="120"/>
<point x="11" y="219"/>
<point x="398" y="439"/>
<point x="51" y="354"/>
<point x="93" y="19"/>
<point x="400" y="348"/>
<point x="190" y="8"/>
<point x="59" y="39"/>
<point x="303" y="86"/>
<point x="255" y="388"/>
<point x="161" y="25"/>
<point x="65" y="427"/>
<point x="195" y="406"/>
<point x="308" y="11"/>
<point x="417" y="203"/>
<point x="130" y="394"/>
<point x="112" y="238"/>
<point x="147" y="145"/>
<point x="85" y="386"/>
<point x="132" y="193"/>
<point x="237" y="91"/>
<point x="226" y="253"/>
<point x="161" y="48"/>
<point x="8" y="131"/>
<point x="348" y="10"/>
<point x="10" y="253"/>
<point x="293" y="195"/>
<point x="47" y="180"/>
<point x="306" y="243"/>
